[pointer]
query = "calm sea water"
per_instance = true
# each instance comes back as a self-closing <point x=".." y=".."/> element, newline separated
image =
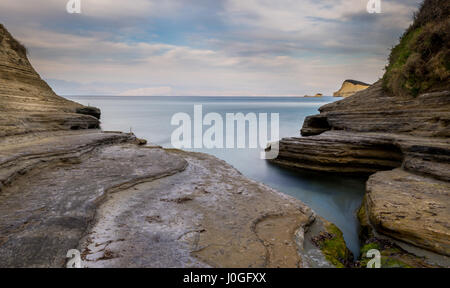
<point x="336" y="198"/>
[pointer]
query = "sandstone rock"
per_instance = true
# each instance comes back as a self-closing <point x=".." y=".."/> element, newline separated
<point x="366" y="153"/>
<point x="53" y="184"/>
<point x="350" y="87"/>
<point x="89" y="111"/>
<point x="411" y="208"/>
<point x="45" y="211"/>
<point x="374" y="110"/>
<point x="339" y="152"/>
<point x="401" y="203"/>
<point x="213" y="226"/>
<point x="394" y="253"/>
<point x="27" y="103"/>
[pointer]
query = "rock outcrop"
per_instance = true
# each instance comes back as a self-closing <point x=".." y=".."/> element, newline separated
<point x="402" y="138"/>
<point x="52" y="186"/>
<point x="169" y="208"/>
<point x="375" y="110"/>
<point x="350" y="87"/>
<point x="363" y="135"/>
<point x="410" y="207"/>
<point x="27" y="103"/>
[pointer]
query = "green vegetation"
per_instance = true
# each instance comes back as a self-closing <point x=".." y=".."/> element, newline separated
<point x="365" y="228"/>
<point x="391" y="255"/>
<point x="333" y="247"/>
<point x="421" y="61"/>
<point x="368" y="247"/>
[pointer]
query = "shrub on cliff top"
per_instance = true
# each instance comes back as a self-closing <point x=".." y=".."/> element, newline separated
<point x="13" y="43"/>
<point x="421" y="61"/>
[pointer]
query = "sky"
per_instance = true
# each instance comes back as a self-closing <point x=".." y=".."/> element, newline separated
<point x="206" y="47"/>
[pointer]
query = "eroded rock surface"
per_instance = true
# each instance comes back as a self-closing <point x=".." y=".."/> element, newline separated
<point x="45" y="211"/>
<point x="124" y="205"/>
<point x="209" y="215"/>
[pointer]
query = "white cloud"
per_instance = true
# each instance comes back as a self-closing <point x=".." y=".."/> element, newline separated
<point x="285" y="47"/>
<point x="99" y="9"/>
<point x="302" y="16"/>
<point x="187" y="71"/>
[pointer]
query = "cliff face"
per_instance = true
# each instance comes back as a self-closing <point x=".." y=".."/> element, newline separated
<point x="27" y="103"/>
<point x="350" y="87"/>
<point x="390" y="125"/>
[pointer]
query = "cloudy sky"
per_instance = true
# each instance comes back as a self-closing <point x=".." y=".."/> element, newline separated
<point x="206" y="47"/>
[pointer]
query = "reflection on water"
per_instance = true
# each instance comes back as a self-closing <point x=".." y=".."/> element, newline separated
<point x="334" y="197"/>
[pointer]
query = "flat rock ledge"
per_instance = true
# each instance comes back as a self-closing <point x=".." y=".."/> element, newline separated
<point x="125" y="205"/>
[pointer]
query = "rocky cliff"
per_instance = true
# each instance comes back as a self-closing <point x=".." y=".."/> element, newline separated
<point x="400" y="133"/>
<point x="350" y="87"/>
<point x="27" y="103"/>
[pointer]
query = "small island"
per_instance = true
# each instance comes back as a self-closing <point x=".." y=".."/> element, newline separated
<point x="317" y="95"/>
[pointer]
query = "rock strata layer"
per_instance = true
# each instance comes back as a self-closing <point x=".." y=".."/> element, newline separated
<point x="374" y="110"/>
<point x="410" y="207"/>
<point x="125" y="205"/>
<point x="27" y="103"/>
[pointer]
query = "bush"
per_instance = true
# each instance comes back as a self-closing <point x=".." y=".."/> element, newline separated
<point x="420" y="62"/>
<point x="13" y="43"/>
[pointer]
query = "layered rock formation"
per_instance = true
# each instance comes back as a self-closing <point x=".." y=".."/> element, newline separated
<point x="411" y="203"/>
<point x="350" y="87"/>
<point x="375" y="110"/>
<point x="169" y="208"/>
<point x="378" y="130"/>
<point x="27" y="103"/>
